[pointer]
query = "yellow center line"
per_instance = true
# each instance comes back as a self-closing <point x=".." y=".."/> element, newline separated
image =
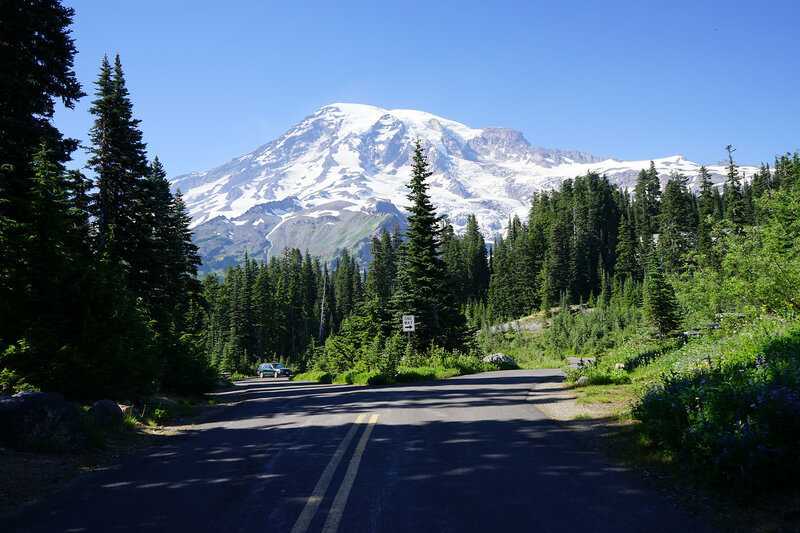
<point x="340" y="501"/>
<point x="313" y="502"/>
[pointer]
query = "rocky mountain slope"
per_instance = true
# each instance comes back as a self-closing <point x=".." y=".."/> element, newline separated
<point x="337" y="177"/>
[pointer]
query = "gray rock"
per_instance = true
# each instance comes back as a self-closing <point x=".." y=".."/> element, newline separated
<point x="499" y="359"/>
<point x="580" y="362"/>
<point x="41" y="421"/>
<point x="106" y="414"/>
<point x="582" y="381"/>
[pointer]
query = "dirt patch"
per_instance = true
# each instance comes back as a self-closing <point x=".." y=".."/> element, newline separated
<point x="560" y="402"/>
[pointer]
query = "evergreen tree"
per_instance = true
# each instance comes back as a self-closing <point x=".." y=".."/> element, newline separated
<point x="557" y="271"/>
<point x="660" y="305"/>
<point x="677" y="222"/>
<point x="36" y="54"/>
<point x="184" y="259"/>
<point x="476" y="264"/>
<point x="421" y="283"/>
<point x="647" y="194"/>
<point x="119" y="161"/>
<point x="452" y="255"/>
<point x="501" y="297"/>
<point x="380" y="281"/>
<point x="733" y="200"/>
<point x="628" y="264"/>
<point x="762" y="181"/>
<point x="706" y="214"/>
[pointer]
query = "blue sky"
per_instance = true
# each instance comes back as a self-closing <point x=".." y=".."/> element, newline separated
<point x="641" y="79"/>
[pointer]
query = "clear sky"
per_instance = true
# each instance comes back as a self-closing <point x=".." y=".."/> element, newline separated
<point x="211" y="80"/>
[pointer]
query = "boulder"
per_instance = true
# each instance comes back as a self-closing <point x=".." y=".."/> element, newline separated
<point x="41" y="421"/>
<point x="582" y="381"/>
<point x="577" y="362"/>
<point x="106" y="414"/>
<point x="499" y="359"/>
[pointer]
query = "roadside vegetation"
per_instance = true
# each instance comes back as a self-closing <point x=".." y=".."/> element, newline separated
<point x="435" y="363"/>
<point x="694" y="335"/>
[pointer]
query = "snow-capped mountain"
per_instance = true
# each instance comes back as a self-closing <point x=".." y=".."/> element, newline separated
<point x="337" y="177"/>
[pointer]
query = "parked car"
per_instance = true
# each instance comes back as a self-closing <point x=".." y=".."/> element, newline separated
<point x="275" y="370"/>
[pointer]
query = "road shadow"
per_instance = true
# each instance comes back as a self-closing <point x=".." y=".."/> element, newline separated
<point x="253" y="467"/>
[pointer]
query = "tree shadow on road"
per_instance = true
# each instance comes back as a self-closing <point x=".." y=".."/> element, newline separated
<point x="430" y="465"/>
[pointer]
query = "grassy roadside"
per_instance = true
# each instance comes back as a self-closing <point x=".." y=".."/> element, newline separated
<point x="525" y="347"/>
<point x="607" y="405"/>
<point x="460" y="366"/>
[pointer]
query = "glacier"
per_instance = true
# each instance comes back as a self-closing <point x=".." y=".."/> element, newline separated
<point x="339" y="176"/>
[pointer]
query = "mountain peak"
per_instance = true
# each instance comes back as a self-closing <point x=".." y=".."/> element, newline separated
<point x="362" y="117"/>
<point x="320" y="182"/>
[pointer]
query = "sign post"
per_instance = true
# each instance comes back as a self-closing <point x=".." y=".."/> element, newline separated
<point x="408" y="326"/>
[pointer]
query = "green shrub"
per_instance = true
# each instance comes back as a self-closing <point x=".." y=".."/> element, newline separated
<point x="444" y="373"/>
<point x="319" y="376"/>
<point x="425" y="373"/>
<point x="599" y="376"/>
<point x="12" y="383"/>
<point x="362" y="377"/>
<point x="418" y="373"/>
<point x="372" y="377"/>
<point x="734" y="417"/>
<point x="187" y="369"/>
<point x="344" y="378"/>
<point x="466" y="364"/>
<point x="160" y="415"/>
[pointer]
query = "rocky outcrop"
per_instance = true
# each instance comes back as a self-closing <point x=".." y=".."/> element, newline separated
<point x="106" y="414"/>
<point x="500" y="359"/>
<point x="41" y="421"/>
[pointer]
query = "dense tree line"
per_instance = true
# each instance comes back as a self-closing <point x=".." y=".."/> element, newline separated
<point x="580" y="238"/>
<point x="293" y="308"/>
<point x="276" y="310"/>
<point x="98" y="286"/>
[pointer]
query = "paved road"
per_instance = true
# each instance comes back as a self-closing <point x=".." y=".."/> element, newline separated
<point x="467" y="454"/>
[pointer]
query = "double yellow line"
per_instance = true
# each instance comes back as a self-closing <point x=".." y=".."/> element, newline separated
<point x="340" y="500"/>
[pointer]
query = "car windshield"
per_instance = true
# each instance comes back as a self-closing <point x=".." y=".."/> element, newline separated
<point x="278" y="365"/>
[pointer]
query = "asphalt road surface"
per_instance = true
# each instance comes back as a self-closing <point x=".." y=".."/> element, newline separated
<point x="467" y="454"/>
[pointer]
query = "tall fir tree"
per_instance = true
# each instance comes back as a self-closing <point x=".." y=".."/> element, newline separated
<point x="660" y="304"/>
<point x="36" y="54"/>
<point x="476" y="262"/>
<point x="557" y="271"/>
<point x="677" y="221"/>
<point x="118" y="158"/>
<point x="733" y="200"/>
<point x="422" y="280"/>
<point x="647" y="195"/>
<point x="706" y="214"/>
<point x="628" y="265"/>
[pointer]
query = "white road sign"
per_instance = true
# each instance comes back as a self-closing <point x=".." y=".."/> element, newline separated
<point x="408" y="322"/>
